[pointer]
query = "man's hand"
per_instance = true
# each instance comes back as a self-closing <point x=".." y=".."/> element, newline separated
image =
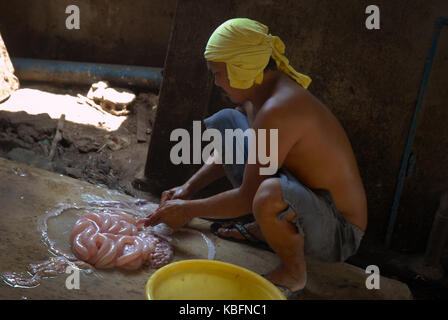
<point x="181" y="192"/>
<point x="171" y="212"/>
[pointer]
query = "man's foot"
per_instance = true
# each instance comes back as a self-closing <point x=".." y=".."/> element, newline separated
<point x="248" y="233"/>
<point x="294" y="279"/>
<point x="228" y="230"/>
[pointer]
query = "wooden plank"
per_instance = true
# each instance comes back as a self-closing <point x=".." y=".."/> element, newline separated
<point x="186" y="87"/>
<point x="142" y="123"/>
<point x="57" y="137"/>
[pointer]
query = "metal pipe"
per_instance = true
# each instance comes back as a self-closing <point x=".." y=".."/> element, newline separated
<point x="85" y="73"/>
<point x="408" y="157"/>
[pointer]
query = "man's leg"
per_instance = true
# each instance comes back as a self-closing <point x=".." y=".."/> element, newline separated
<point x="230" y="119"/>
<point x="282" y="236"/>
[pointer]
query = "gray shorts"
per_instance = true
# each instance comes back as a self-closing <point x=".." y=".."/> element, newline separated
<point x="328" y="235"/>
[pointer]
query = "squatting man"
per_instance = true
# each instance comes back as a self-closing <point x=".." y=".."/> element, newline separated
<point x="315" y="204"/>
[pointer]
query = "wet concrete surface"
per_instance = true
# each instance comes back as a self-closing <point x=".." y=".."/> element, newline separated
<point x="27" y="193"/>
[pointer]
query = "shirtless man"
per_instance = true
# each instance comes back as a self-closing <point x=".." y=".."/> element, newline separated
<point x="315" y="205"/>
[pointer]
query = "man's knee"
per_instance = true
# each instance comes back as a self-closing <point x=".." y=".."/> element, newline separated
<point x="222" y="119"/>
<point x="268" y="201"/>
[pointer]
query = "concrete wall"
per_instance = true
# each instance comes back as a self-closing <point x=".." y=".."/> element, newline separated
<point x="369" y="79"/>
<point x="134" y="32"/>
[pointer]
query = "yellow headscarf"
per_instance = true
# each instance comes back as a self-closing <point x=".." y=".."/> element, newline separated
<point x="245" y="46"/>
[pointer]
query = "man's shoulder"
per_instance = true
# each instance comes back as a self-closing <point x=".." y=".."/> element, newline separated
<point x="287" y="104"/>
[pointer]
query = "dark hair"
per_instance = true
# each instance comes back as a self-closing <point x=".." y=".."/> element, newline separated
<point x="272" y="65"/>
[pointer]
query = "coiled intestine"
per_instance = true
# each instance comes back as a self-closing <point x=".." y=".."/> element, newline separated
<point x="61" y="260"/>
<point x="108" y="240"/>
<point x="140" y="208"/>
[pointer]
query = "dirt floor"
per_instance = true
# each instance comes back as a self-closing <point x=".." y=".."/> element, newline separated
<point x="96" y="146"/>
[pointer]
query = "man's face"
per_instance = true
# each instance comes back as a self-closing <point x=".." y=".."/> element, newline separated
<point x="219" y="71"/>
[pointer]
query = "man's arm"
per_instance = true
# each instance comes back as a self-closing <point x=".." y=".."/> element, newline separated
<point x="238" y="201"/>
<point x="208" y="173"/>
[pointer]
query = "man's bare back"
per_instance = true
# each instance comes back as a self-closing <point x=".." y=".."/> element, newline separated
<point x="321" y="156"/>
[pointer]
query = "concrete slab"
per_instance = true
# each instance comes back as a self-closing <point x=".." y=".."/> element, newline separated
<point x="27" y="193"/>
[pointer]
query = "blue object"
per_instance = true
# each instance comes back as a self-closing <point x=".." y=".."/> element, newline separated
<point x="85" y="73"/>
<point x="408" y="160"/>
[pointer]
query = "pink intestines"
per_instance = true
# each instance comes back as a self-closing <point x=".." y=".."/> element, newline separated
<point x="108" y="240"/>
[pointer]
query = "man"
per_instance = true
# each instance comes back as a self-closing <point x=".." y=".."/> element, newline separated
<point x="315" y="205"/>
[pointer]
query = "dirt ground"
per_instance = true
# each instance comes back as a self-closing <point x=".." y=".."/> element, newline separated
<point x="100" y="152"/>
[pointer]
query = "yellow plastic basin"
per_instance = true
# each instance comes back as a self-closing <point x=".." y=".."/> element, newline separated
<point x="209" y="280"/>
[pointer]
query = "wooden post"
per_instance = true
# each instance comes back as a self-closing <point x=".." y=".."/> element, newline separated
<point x="185" y="90"/>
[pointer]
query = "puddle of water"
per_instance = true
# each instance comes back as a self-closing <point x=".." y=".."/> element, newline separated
<point x="55" y="228"/>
